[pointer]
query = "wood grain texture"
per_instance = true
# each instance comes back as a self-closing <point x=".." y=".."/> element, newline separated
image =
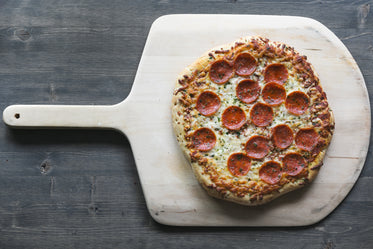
<point x="79" y="189"/>
<point x="172" y="194"/>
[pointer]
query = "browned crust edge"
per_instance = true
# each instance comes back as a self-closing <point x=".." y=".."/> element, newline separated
<point x="311" y="83"/>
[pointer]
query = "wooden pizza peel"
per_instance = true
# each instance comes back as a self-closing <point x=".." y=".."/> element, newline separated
<point x="172" y="193"/>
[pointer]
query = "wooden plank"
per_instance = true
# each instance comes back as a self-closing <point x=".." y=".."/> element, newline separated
<point x="172" y="194"/>
<point x="354" y="218"/>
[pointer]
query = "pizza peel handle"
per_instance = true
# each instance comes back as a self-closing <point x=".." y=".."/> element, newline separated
<point x="73" y="116"/>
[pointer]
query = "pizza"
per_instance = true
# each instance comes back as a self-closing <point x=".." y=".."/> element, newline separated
<point x="252" y="119"/>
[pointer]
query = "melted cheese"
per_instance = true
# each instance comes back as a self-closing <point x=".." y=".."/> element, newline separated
<point x="229" y="142"/>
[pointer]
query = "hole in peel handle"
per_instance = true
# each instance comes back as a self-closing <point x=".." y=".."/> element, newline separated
<point x="78" y="116"/>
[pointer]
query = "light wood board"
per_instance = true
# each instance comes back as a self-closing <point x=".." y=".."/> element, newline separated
<point x="172" y="193"/>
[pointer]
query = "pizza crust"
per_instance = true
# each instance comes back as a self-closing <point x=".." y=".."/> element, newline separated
<point x="203" y="166"/>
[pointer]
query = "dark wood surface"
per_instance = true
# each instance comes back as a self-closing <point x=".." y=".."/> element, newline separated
<point x="80" y="188"/>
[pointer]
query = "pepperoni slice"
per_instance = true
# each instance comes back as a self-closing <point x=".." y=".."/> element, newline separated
<point x="276" y="73"/>
<point x="244" y="64"/>
<point x="203" y="139"/>
<point x="239" y="164"/>
<point x="270" y="172"/>
<point x="273" y="94"/>
<point x="221" y="71"/>
<point x="261" y="114"/>
<point x="293" y="164"/>
<point x="306" y="139"/>
<point x="248" y="91"/>
<point x="208" y="103"/>
<point x="257" y="147"/>
<point x="233" y="118"/>
<point x="282" y="136"/>
<point x="297" y="102"/>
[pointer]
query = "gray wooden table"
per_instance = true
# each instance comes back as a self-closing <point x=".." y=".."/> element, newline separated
<point x="80" y="188"/>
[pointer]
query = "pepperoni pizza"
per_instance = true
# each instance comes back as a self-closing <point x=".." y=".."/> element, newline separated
<point x="253" y="120"/>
